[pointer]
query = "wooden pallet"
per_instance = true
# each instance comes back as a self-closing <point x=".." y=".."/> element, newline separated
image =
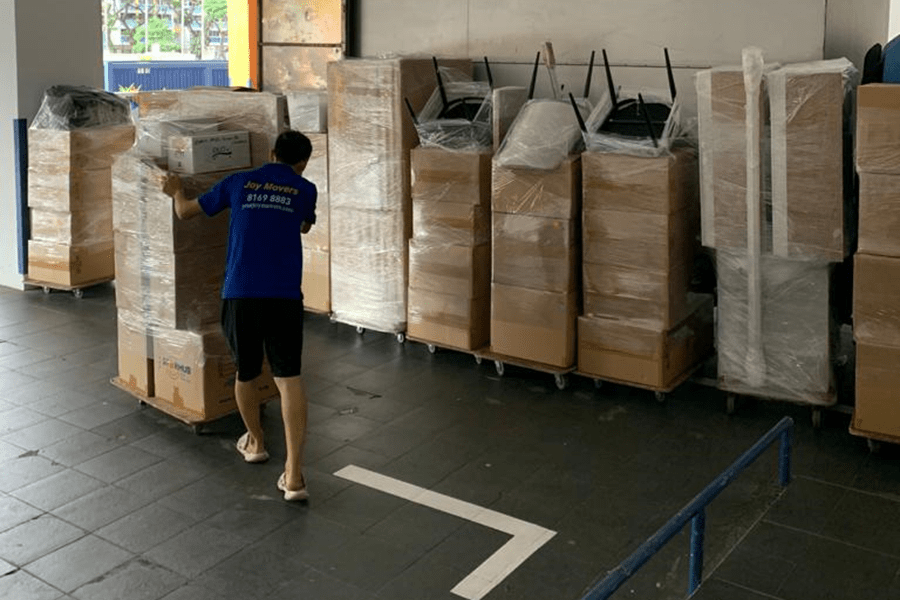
<point x="77" y="289"/>
<point x="874" y="439"/>
<point x="659" y="391"/>
<point x="501" y="360"/>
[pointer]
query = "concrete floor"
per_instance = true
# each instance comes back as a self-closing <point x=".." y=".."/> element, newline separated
<point x="101" y="498"/>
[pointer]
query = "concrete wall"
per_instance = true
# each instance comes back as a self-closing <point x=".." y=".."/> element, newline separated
<point x="39" y="51"/>
<point x="854" y="26"/>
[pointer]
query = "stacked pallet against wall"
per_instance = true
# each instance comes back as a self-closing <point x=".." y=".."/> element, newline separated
<point x="876" y="293"/>
<point x="536" y="253"/>
<point x="70" y="190"/>
<point x="370" y="135"/>
<point x="172" y="354"/>
<point x="775" y="208"/>
<point x="641" y="326"/>
<point x="450" y="252"/>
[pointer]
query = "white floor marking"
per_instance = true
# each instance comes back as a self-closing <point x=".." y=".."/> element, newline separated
<point x="527" y="537"/>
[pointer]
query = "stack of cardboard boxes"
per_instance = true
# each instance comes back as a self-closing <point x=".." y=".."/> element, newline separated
<point x="642" y="326"/>
<point x="70" y="197"/>
<point x="777" y="218"/>
<point x="316" y="243"/>
<point x="450" y="252"/>
<point x="370" y="135"/>
<point x="876" y="294"/>
<point x="536" y="262"/>
<point x="169" y="271"/>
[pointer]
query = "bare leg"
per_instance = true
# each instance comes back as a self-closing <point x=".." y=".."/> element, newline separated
<point x="248" y="406"/>
<point x="293" y="413"/>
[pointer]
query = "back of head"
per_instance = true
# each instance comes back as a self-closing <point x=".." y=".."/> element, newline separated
<point x="292" y="147"/>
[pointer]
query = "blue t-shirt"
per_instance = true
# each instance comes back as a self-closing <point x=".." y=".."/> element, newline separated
<point x="268" y="208"/>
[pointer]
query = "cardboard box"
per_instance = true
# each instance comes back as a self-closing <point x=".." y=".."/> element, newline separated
<point x="796" y="332"/>
<point x="661" y="186"/>
<point x="660" y="299"/>
<point x="627" y="352"/>
<point x="879" y="214"/>
<point x="308" y="110"/>
<point x="655" y="242"/>
<point x="721" y="118"/>
<point x="194" y="375"/>
<point x="141" y="209"/>
<point x="209" y="152"/>
<point x="532" y="325"/>
<point x="876" y="300"/>
<point x="135" y="353"/>
<point x="72" y="151"/>
<point x="263" y="114"/>
<point x="451" y="223"/>
<point x="877" y="407"/>
<point x="553" y="194"/>
<point x="317" y="168"/>
<point x="70" y="266"/>
<point x="538" y="253"/>
<point x="808" y="118"/>
<point x="370" y="134"/>
<point x="461" y="271"/>
<point x="76" y="228"/>
<point x="448" y="320"/>
<point x="316" y="284"/>
<point x="153" y="136"/>
<point x="177" y="290"/>
<point x="369" y="287"/>
<point x="56" y="187"/>
<point x="440" y="175"/>
<point x="878" y="128"/>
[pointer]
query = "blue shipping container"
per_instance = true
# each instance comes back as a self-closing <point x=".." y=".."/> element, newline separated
<point x="165" y="75"/>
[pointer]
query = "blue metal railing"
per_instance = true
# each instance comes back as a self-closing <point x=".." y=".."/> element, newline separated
<point x="23" y="217"/>
<point x="696" y="513"/>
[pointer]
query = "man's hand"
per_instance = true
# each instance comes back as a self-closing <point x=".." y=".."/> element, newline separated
<point x="172" y="185"/>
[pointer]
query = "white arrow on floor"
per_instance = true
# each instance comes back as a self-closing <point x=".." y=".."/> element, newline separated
<point x="526" y="537"/>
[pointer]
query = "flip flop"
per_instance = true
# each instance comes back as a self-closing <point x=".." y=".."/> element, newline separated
<point x="250" y="457"/>
<point x="292" y="495"/>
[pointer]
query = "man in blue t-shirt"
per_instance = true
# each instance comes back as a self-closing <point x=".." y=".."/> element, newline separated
<point x="262" y="305"/>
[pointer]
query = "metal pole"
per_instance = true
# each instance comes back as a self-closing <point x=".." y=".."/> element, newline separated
<point x="20" y="139"/>
<point x="784" y="458"/>
<point x="698" y="530"/>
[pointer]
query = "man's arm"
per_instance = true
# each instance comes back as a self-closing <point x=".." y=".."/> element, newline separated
<point x="185" y="207"/>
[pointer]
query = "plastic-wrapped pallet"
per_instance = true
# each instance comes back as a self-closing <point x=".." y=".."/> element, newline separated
<point x="72" y="143"/>
<point x="811" y="116"/>
<point x="370" y="134"/>
<point x="317" y="242"/>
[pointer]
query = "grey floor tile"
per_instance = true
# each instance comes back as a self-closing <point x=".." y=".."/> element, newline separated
<point x="36" y="538"/>
<point x="119" y="462"/>
<point x="807" y="504"/>
<point x="42" y="434"/>
<point x="9" y="451"/>
<point x="253" y="519"/>
<point x="145" y="528"/>
<point x="423" y="580"/>
<point x="315" y="584"/>
<point x="24" y="358"/>
<point x="57" y="490"/>
<point x="138" y="579"/>
<point x="159" y="479"/>
<point x="19" y="418"/>
<point x="56" y="404"/>
<point x="306" y="537"/>
<point x="22" y="586"/>
<point x="25" y="470"/>
<point x="196" y="592"/>
<point x="344" y="427"/>
<point x="252" y="573"/>
<point x="78" y="448"/>
<point x="98" y="413"/>
<point x="195" y="550"/>
<point x="6" y="568"/>
<point x="100" y="507"/>
<point x="416" y="527"/>
<point x="14" y="512"/>
<point x="716" y="589"/>
<point x="204" y="498"/>
<point x="867" y="521"/>
<point x="359" y="507"/>
<point x="365" y="562"/>
<point x="349" y="455"/>
<point x="78" y="563"/>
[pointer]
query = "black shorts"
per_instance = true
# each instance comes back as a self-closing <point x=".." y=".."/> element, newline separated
<point x="258" y="326"/>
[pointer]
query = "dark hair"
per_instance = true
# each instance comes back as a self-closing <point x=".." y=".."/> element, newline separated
<point x="292" y="147"/>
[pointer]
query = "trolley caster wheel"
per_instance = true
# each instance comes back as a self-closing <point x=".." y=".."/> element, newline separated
<point x="360" y="330"/>
<point x="332" y="318"/>
<point x="142" y="404"/>
<point x="46" y="289"/>
<point x="598" y="383"/>
<point x="401" y="337"/>
<point x="79" y="294"/>
<point x="432" y="348"/>
<point x="874" y="446"/>
<point x="730" y="401"/>
<point x="500" y="367"/>
<point x="477" y="360"/>
<point x="660" y="396"/>
<point x="817" y="418"/>
<point x="561" y="381"/>
<point x="197" y="428"/>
